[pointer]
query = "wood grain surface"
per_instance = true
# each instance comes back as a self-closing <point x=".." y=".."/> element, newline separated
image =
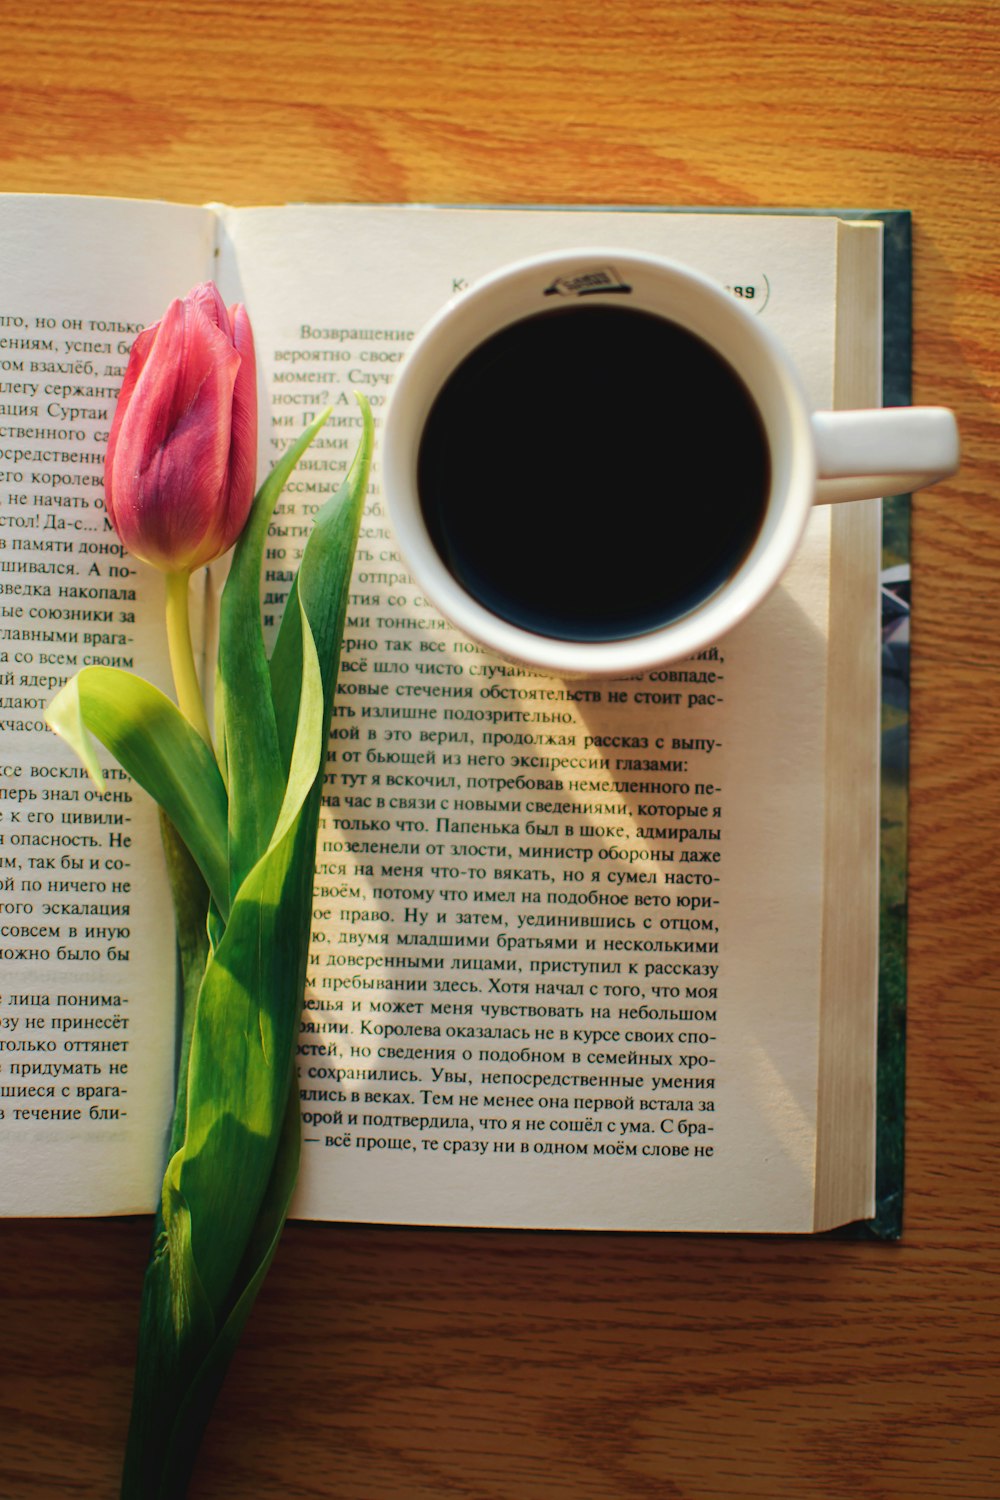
<point x="421" y="1365"/>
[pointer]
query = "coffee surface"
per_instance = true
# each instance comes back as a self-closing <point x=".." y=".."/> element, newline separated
<point x="593" y="472"/>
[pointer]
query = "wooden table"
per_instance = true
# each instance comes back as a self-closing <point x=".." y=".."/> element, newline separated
<point x="415" y="1365"/>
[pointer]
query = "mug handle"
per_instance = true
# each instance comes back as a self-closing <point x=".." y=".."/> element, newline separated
<point x="892" y="451"/>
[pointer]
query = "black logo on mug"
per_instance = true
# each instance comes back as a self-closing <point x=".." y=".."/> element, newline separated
<point x="586" y="283"/>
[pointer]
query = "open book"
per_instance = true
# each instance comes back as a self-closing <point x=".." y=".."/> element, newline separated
<point x="586" y="955"/>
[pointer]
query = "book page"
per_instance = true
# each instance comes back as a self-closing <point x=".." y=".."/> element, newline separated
<point x="86" y="993"/>
<point x="567" y="951"/>
<point x="845" y="1158"/>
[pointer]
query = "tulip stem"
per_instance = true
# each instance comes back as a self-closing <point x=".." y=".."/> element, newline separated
<point x="189" y="699"/>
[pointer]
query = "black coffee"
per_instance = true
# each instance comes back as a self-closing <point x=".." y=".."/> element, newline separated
<point x="593" y="472"/>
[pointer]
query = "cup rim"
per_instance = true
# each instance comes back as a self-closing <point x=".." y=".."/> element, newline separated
<point x="468" y="318"/>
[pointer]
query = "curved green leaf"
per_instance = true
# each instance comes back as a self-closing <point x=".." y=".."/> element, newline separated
<point x="192" y="905"/>
<point x="242" y="1050"/>
<point x="310" y="736"/>
<point x="151" y="740"/>
<point x="322" y="586"/>
<point x="173" y="1399"/>
<point x="240" y="1064"/>
<point x="253" y="757"/>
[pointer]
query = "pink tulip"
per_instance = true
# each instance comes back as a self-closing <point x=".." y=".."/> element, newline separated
<point x="182" y="456"/>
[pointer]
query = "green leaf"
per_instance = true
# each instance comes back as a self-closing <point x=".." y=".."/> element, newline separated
<point x="241" y="1055"/>
<point x="191" y="916"/>
<point x="219" y="1184"/>
<point x="155" y="744"/>
<point x="161" y="1378"/>
<point x="165" y="1434"/>
<point x="322" y="586"/>
<point x="243" y="1041"/>
<point x="161" y="1372"/>
<point x="310" y="732"/>
<point x="253" y="757"/>
<point x="242" y="1048"/>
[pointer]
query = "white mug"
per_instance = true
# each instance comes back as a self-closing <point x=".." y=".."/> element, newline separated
<point x="812" y="457"/>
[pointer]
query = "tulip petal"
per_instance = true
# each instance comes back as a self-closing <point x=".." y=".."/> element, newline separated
<point x="243" y="434"/>
<point x="137" y="360"/>
<point x="207" y="298"/>
<point x="190" y="470"/>
<point x="179" y="473"/>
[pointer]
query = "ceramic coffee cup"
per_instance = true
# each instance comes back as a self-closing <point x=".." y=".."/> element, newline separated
<point x="596" y="461"/>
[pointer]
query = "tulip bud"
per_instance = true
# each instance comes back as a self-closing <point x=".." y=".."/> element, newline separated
<point x="182" y="457"/>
